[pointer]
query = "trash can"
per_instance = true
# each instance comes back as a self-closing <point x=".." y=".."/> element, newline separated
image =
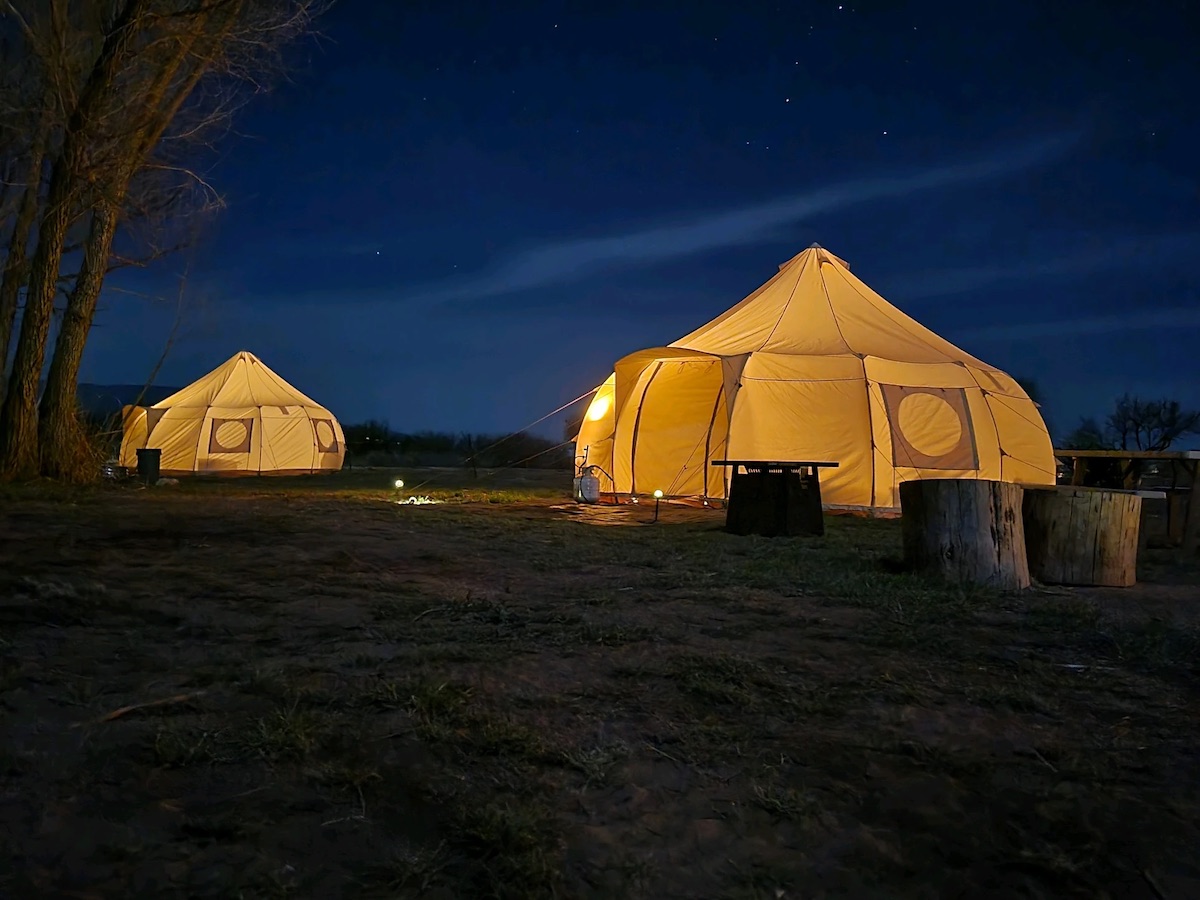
<point x="149" y="462"/>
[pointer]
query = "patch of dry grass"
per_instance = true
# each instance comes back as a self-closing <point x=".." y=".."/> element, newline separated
<point x="498" y="699"/>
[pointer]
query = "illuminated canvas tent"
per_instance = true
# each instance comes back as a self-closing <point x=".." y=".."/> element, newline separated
<point x="239" y="419"/>
<point x="813" y="366"/>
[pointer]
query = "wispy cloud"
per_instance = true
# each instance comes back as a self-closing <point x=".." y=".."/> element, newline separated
<point x="1117" y="254"/>
<point x="570" y="260"/>
<point x="1174" y="319"/>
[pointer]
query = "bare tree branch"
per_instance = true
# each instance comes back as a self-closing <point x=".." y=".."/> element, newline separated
<point x="134" y="90"/>
<point x="1150" y="424"/>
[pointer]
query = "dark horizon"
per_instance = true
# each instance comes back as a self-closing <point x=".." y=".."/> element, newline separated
<point x="456" y="219"/>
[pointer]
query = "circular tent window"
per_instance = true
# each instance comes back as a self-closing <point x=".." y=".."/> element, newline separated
<point x="326" y="439"/>
<point x="230" y="435"/>
<point x="931" y="425"/>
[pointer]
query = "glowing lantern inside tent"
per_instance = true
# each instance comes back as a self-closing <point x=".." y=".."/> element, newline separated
<point x="599" y="406"/>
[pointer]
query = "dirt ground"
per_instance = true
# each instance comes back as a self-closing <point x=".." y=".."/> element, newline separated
<point x="305" y="689"/>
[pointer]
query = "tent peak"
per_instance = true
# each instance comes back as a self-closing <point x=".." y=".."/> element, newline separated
<point x="831" y="256"/>
<point x="245" y="356"/>
<point x="822" y="252"/>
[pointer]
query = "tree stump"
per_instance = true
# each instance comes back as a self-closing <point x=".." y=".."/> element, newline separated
<point x="1082" y="536"/>
<point x="965" y="530"/>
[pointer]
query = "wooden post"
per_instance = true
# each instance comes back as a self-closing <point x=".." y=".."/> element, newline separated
<point x="965" y="530"/>
<point x="1082" y="536"/>
<point x="1191" y="516"/>
<point x="1078" y="470"/>
<point x="1177" y="501"/>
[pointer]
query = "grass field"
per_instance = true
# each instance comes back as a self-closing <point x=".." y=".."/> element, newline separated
<point x="299" y="688"/>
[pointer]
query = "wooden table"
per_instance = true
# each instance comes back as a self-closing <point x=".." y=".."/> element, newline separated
<point x="1186" y="460"/>
<point x="773" y="498"/>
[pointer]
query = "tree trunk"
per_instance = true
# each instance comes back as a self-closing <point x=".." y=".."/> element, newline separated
<point x="16" y="264"/>
<point x="19" y="455"/>
<point x="63" y="446"/>
<point x="18" y="418"/>
<point x="966" y="531"/>
<point x="64" y="452"/>
<point x="1082" y="536"/>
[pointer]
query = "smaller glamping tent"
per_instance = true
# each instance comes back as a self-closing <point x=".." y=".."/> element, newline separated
<point x="239" y="419"/>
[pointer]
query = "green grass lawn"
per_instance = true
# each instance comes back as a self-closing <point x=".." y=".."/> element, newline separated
<point x="496" y="696"/>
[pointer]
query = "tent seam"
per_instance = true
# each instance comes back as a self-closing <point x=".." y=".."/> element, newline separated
<point x="786" y="305"/>
<point x="885" y="312"/>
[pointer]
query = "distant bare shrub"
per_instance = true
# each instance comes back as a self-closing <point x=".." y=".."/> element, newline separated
<point x="372" y="443"/>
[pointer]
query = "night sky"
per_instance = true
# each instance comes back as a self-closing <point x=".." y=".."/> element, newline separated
<point x="458" y="215"/>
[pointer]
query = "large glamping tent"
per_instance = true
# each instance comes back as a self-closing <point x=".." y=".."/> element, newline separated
<point x="813" y="366"/>
<point x="239" y="419"/>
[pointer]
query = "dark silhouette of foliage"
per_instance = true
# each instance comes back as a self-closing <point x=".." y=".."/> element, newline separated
<point x="373" y="443"/>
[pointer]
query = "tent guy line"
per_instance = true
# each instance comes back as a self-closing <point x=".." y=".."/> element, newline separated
<point x="524" y="428"/>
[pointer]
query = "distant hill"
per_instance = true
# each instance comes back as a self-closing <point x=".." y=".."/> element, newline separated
<point x="103" y="400"/>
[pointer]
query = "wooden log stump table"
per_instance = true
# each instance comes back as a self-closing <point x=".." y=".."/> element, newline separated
<point x="774" y="498"/>
<point x="967" y="531"/>
<point x="1082" y="536"/>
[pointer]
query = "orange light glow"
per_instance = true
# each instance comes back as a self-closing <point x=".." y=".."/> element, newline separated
<point x="599" y="407"/>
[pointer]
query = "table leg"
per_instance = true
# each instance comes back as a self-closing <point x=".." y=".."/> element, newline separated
<point x="807" y="515"/>
<point x="774" y="504"/>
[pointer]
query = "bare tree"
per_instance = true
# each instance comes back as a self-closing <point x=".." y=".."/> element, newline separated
<point x="25" y="132"/>
<point x="16" y="261"/>
<point x="126" y="79"/>
<point x="69" y="181"/>
<point x="1089" y="434"/>
<point x="1133" y="425"/>
<point x="1136" y="424"/>
<point x="168" y="88"/>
